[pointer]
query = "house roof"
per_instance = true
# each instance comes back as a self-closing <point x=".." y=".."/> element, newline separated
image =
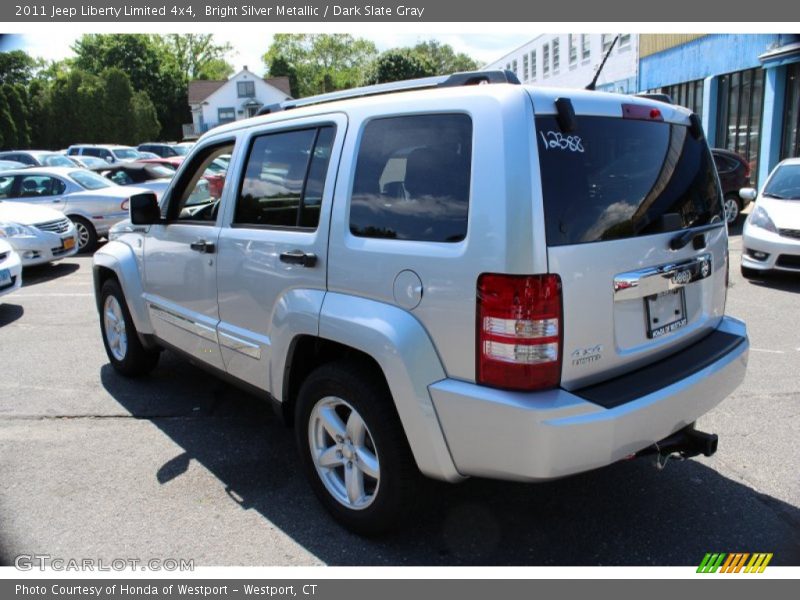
<point x="200" y="89"/>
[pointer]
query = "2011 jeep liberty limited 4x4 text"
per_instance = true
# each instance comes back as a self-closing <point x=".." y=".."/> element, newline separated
<point x="444" y="278"/>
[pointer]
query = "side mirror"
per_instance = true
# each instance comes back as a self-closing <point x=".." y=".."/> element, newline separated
<point x="748" y="194"/>
<point x="144" y="209"/>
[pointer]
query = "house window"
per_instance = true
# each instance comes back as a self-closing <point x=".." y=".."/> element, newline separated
<point x="556" y="59"/>
<point x="514" y="66"/>
<point x="608" y="39"/>
<point x="624" y="40"/>
<point x="246" y="89"/>
<point x="586" y="48"/>
<point x="525" y="67"/>
<point x="533" y="64"/>
<point x="573" y="50"/>
<point x="226" y="115"/>
<point x="546" y="60"/>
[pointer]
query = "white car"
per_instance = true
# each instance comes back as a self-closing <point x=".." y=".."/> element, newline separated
<point x="90" y="201"/>
<point x="37" y="233"/>
<point x="771" y="237"/>
<point x="10" y="269"/>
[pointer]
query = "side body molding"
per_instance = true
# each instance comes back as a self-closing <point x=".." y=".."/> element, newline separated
<point x="120" y="258"/>
<point x="405" y="353"/>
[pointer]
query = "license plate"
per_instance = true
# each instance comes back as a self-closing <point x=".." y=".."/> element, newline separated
<point x="666" y="312"/>
<point x="5" y="277"/>
<point x="69" y="243"/>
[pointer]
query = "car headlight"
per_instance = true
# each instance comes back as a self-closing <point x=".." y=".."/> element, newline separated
<point x="12" y="230"/>
<point x="760" y="218"/>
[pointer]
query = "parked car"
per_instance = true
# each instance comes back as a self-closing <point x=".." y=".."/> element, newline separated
<point x="183" y="148"/>
<point x="145" y="175"/>
<point x="418" y="294"/>
<point x="143" y="155"/>
<point x="108" y="152"/>
<point x="37" y="158"/>
<point x="88" y="162"/>
<point x="10" y="267"/>
<point x="771" y="236"/>
<point x="38" y="234"/>
<point x="161" y="149"/>
<point x="91" y="201"/>
<point x="214" y="174"/>
<point x="734" y="174"/>
<point x="11" y="164"/>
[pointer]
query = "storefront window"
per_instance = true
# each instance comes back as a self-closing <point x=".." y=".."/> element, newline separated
<point x="689" y="94"/>
<point x="790" y="146"/>
<point x="741" y="102"/>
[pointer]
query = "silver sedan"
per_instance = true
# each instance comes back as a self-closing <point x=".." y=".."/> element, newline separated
<point x="92" y="202"/>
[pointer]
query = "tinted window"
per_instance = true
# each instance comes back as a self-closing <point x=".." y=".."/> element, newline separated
<point x="784" y="184"/>
<point x="284" y="179"/>
<point x="412" y="179"/>
<point x="620" y="178"/>
<point x="33" y="186"/>
<point x="724" y="164"/>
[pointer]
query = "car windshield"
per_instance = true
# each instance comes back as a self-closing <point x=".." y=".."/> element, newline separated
<point x="125" y="153"/>
<point x="180" y="150"/>
<point x="89" y="181"/>
<point x="56" y="160"/>
<point x="93" y="162"/>
<point x="162" y="171"/>
<point x="784" y="184"/>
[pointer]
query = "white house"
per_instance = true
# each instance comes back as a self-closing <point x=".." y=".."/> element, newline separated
<point x="214" y="102"/>
<point x="571" y="59"/>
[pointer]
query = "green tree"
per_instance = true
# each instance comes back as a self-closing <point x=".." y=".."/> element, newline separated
<point x="280" y="67"/>
<point x="16" y="67"/>
<point x="443" y="59"/>
<point x="322" y="62"/>
<point x="141" y="57"/>
<point x="17" y="107"/>
<point x="398" y="64"/>
<point x="73" y="106"/>
<point x="145" y="119"/>
<point x="117" y="105"/>
<point x="197" y="56"/>
<point x="8" y="131"/>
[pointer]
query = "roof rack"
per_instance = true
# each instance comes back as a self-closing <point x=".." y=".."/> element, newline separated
<point x="441" y="81"/>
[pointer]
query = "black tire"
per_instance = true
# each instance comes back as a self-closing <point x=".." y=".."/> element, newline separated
<point x="87" y="235"/>
<point x="733" y="199"/>
<point x="394" y="496"/>
<point x="136" y="359"/>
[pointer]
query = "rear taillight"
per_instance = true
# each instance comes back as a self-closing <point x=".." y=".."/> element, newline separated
<point x="641" y="112"/>
<point x="519" y="331"/>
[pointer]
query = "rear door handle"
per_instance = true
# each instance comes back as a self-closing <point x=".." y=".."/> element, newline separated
<point x="298" y="257"/>
<point x="202" y="246"/>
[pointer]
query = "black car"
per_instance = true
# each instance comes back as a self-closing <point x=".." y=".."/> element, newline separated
<point x="734" y="174"/>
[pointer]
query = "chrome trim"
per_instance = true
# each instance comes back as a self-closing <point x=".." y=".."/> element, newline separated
<point x="194" y="327"/>
<point x="239" y="345"/>
<point x="655" y="280"/>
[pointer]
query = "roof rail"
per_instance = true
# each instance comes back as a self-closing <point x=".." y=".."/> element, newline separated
<point x="454" y="80"/>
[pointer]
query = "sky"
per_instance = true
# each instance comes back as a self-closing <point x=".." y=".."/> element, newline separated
<point x="248" y="49"/>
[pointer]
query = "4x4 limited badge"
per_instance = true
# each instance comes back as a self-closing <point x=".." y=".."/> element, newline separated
<point x="583" y="356"/>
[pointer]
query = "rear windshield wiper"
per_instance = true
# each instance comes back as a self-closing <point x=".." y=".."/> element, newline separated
<point x="682" y="239"/>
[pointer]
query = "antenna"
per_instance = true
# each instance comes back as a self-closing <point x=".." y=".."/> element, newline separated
<point x="592" y="85"/>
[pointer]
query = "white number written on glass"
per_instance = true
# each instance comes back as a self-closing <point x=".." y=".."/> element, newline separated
<point x="555" y="140"/>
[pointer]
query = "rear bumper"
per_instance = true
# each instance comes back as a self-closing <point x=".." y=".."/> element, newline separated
<point x="545" y="435"/>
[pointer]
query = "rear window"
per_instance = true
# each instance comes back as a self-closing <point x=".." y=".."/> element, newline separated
<point x="89" y="181"/>
<point x="412" y="178"/>
<point x="617" y="178"/>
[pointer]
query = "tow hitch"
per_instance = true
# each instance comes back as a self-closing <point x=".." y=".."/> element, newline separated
<point x="682" y="444"/>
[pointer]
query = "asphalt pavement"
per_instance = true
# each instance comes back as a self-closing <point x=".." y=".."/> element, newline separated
<point x="181" y="465"/>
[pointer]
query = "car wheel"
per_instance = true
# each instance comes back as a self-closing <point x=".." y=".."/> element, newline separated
<point x="732" y="209"/>
<point x="125" y="352"/>
<point x="749" y="273"/>
<point x="353" y="448"/>
<point x="87" y="236"/>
